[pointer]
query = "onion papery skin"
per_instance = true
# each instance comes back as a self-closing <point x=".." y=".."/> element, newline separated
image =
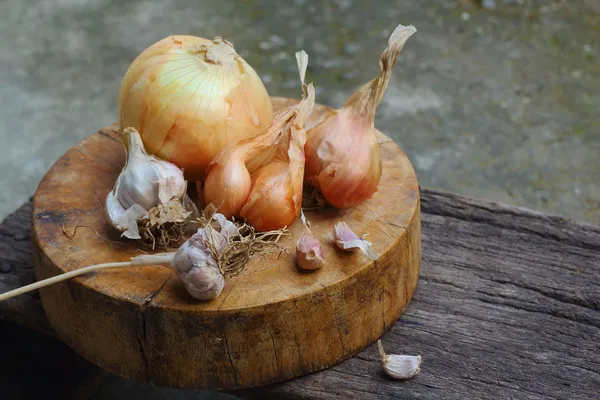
<point x="188" y="106"/>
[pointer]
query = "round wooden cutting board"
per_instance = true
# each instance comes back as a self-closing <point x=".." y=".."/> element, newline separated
<point x="271" y="323"/>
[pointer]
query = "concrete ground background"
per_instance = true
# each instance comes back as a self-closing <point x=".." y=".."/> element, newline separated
<point x="492" y="99"/>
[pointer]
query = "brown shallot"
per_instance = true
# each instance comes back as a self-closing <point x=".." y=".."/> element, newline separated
<point x="343" y="157"/>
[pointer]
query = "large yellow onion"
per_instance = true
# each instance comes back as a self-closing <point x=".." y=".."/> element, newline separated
<point x="190" y="98"/>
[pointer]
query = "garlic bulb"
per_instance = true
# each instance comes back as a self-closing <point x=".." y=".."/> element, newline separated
<point x="190" y="98"/>
<point x="399" y="366"/>
<point x="144" y="183"/>
<point x="343" y="158"/>
<point x="347" y="240"/>
<point x="309" y="251"/>
<point x="196" y="267"/>
<point x="261" y="179"/>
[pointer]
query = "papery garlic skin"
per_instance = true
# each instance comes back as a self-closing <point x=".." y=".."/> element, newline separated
<point x="144" y="182"/>
<point x="347" y="240"/>
<point x="190" y="98"/>
<point x="309" y="253"/>
<point x="197" y="269"/>
<point x="343" y="158"/>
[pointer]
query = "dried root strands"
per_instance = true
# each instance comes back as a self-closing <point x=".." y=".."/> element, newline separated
<point x="343" y="157"/>
<point x="399" y="366"/>
<point x="235" y="243"/>
<point x="309" y="251"/>
<point x="221" y="248"/>
<point x="148" y="201"/>
<point x="261" y="179"/>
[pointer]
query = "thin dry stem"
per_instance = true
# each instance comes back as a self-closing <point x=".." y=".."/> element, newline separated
<point x="72" y="235"/>
<point x="381" y="351"/>
<point x="367" y="98"/>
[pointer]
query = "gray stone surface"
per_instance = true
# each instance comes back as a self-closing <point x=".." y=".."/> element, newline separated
<point x="493" y="99"/>
<point x="496" y="102"/>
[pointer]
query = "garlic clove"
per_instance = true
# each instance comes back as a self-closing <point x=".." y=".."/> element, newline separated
<point x="227" y="228"/>
<point x="399" y="366"/>
<point x="124" y="220"/>
<point x="145" y="178"/>
<point x="195" y="266"/>
<point x="347" y="240"/>
<point x="309" y="253"/>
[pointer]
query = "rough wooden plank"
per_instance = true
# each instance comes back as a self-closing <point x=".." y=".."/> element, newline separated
<point x="16" y="270"/>
<point x="508" y="306"/>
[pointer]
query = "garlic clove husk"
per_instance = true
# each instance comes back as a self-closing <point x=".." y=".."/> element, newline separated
<point x="196" y="267"/>
<point x="124" y="220"/>
<point x="309" y="253"/>
<point x="343" y="158"/>
<point x="227" y="228"/>
<point x="145" y="183"/>
<point x="399" y="366"/>
<point x="347" y="240"/>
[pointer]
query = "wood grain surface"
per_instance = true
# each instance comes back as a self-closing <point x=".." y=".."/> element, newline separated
<point x="271" y="323"/>
<point x="507" y="307"/>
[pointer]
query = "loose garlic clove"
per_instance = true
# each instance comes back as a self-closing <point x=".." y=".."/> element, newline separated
<point x="144" y="183"/>
<point x="196" y="267"/>
<point x="399" y="366"/>
<point x="347" y="240"/>
<point x="309" y="253"/>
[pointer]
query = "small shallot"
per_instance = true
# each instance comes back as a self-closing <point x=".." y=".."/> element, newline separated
<point x="261" y="179"/>
<point x="343" y="158"/>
